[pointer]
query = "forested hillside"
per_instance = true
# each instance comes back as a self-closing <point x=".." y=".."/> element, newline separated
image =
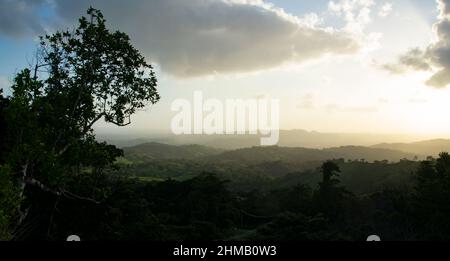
<point x="271" y="167"/>
<point x="159" y="151"/>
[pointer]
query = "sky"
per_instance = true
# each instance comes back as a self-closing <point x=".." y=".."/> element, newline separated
<point x="373" y="66"/>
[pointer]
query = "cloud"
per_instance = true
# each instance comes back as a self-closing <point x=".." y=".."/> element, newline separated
<point x="413" y="59"/>
<point x="204" y="37"/>
<point x="417" y="100"/>
<point x="311" y="20"/>
<point x="332" y="107"/>
<point x="435" y="57"/>
<point x="309" y="101"/>
<point x="306" y="102"/>
<point x="385" y="10"/>
<point x="356" y="13"/>
<point x="20" y="17"/>
<point x="382" y="100"/>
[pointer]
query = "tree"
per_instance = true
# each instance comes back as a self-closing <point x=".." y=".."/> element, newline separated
<point x="80" y="77"/>
<point x="432" y="198"/>
<point x="329" y="170"/>
<point x="3" y="129"/>
<point x="9" y="203"/>
<point x="330" y="197"/>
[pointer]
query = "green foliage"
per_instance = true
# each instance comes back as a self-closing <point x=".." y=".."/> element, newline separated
<point x="359" y="177"/>
<point x="298" y="227"/>
<point x="304" y="155"/>
<point x="158" y="151"/>
<point x="203" y="207"/>
<point x="432" y="198"/>
<point x="9" y="203"/>
<point x="80" y="77"/>
<point x="199" y="208"/>
<point x="98" y="70"/>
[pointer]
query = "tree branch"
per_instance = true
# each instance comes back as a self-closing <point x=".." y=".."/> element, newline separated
<point x="122" y="124"/>
<point x="75" y="196"/>
<point x="37" y="183"/>
<point x="87" y="127"/>
<point x="60" y="192"/>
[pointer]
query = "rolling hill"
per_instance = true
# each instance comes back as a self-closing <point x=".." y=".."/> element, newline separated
<point x="273" y="167"/>
<point x="159" y="151"/>
<point x="427" y="148"/>
<point x="286" y="154"/>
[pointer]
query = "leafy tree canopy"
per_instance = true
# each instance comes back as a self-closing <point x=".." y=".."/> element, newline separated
<point x="79" y="77"/>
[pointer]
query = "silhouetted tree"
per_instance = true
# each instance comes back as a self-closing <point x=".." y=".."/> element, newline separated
<point x="432" y="198"/>
<point x="329" y="170"/>
<point x="330" y="197"/>
<point x="80" y="77"/>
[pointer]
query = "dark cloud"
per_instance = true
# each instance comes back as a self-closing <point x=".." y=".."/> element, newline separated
<point x="444" y="6"/>
<point x="20" y="17"/>
<point x="435" y="57"/>
<point x="413" y="59"/>
<point x="202" y="37"/>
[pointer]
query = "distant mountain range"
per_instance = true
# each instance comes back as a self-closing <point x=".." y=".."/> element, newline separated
<point x="288" y="138"/>
<point x="342" y="144"/>
<point x="427" y="148"/>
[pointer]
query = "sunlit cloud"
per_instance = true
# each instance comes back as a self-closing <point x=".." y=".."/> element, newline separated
<point x="417" y="100"/>
<point x="356" y="13"/>
<point x="306" y="102"/>
<point x="333" y="107"/>
<point x="435" y="57"/>
<point x="385" y="10"/>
